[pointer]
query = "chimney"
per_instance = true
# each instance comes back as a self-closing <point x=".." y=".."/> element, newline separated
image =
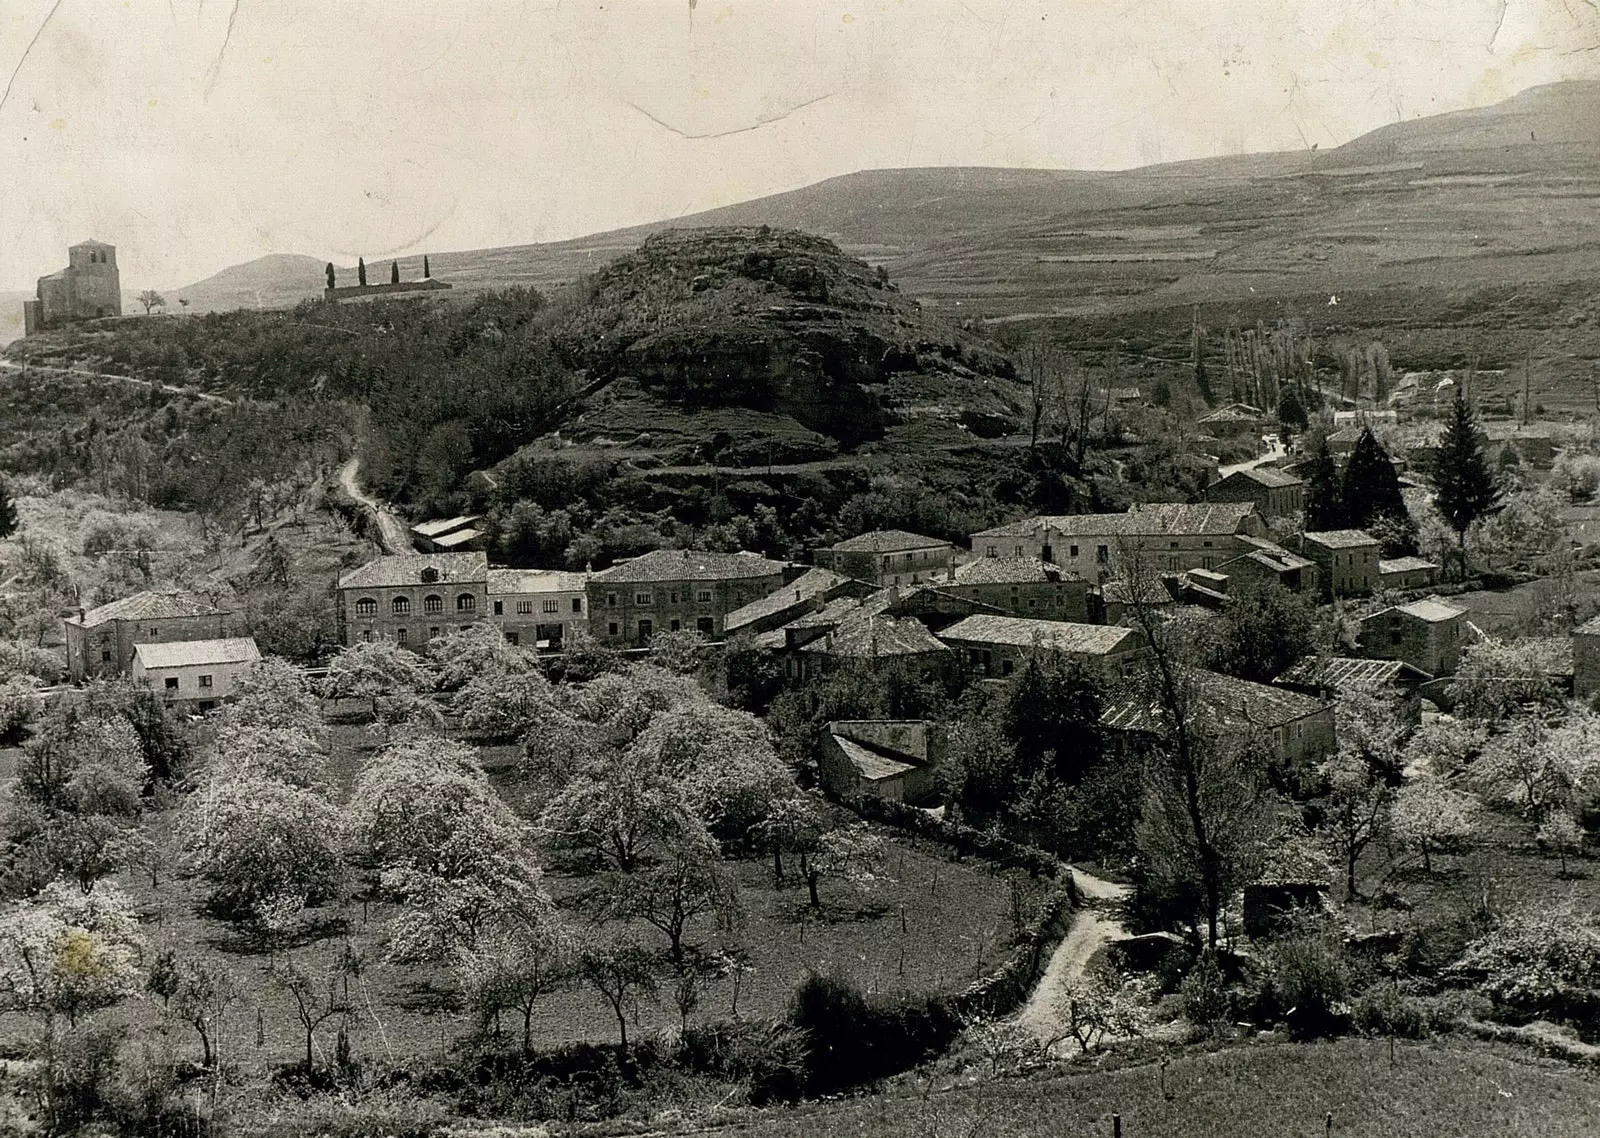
<point x="82" y="615"/>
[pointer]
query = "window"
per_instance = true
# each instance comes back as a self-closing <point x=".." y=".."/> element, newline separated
<point x="433" y="630"/>
<point x="612" y="628"/>
<point x="366" y="635"/>
<point x="909" y="558"/>
<point x="644" y="599"/>
<point x="1005" y="667"/>
<point x="1172" y="545"/>
<point x="705" y="624"/>
<point x="430" y="575"/>
<point x="401" y="605"/>
<point x="1019" y="551"/>
<point x="525" y="608"/>
<point x="674" y="596"/>
<point x="552" y="605"/>
<point x="171" y="683"/>
<point x="433" y="603"/>
<point x="611" y="600"/>
<point x="105" y="656"/>
<point x="466" y="602"/>
<point x="646" y="629"/>
<point x="577" y="604"/>
<point x="704" y="596"/>
<point x="1102" y="553"/>
<point x="399" y="636"/>
<point x="676" y="626"/>
<point x="154" y="631"/>
<point x="1207" y="545"/>
<point x="1072" y="550"/>
<point x="886" y="561"/>
<point x="205" y="681"/>
<point x="366" y="606"/>
<point x="511" y="639"/>
<point x="989" y="551"/>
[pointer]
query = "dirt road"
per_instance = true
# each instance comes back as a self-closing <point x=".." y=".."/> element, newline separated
<point x="393" y="534"/>
<point x="169" y="388"/>
<point x="1092" y="928"/>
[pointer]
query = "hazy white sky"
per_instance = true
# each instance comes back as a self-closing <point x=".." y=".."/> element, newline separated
<point x="195" y="134"/>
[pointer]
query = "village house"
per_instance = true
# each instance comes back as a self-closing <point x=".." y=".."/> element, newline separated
<point x="897" y="759"/>
<point x="867" y="641"/>
<point x="1235" y="419"/>
<point x="101" y="641"/>
<point x="539" y="608"/>
<point x="997" y="646"/>
<point x="1274" y="493"/>
<point x="889" y="557"/>
<point x="1268" y="561"/>
<point x="1327" y="677"/>
<point x="194" y="675"/>
<point x="1293" y="726"/>
<point x="1347" y="560"/>
<point x="1023" y="586"/>
<point x="1407" y="573"/>
<point x="1426" y="634"/>
<point x="1114" y="601"/>
<point x="410" y="598"/>
<point x="1343" y="441"/>
<point x="671" y="590"/>
<point x="1170" y="536"/>
<point x="806" y="593"/>
<point x="448" y="535"/>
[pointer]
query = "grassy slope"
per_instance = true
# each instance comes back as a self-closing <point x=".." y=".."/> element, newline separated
<point x="1267" y="1088"/>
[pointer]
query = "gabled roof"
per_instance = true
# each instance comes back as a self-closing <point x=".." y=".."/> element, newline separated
<point x="886" y="541"/>
<point x="1590" y="627"/>
<point x="1232" y="700"/>
<point x="408" y="569"/>
<point x="503" y="582"/>
<point x="813" y="583"/>
<point x="1152" y="591"/>
<point x="1338" y="671"/>
<point x="450" y="540"/>
<point x="1340" y="538"/>
<point x="1151" y="519"/>
<point x="1011" y="571"/>
<point x="197" y="653"/>
<point x="148" y="605"/>
<point x="870" y="762"/>
<point x="868" y="636"/>
<point x="1264" y="476"/>
<point x="1404" y="565"/>
<point x="1049" y="635"/>
<point x="1433" y="610"/>
<point x="689" y="565"/>
<point x="444" y="525"/>
<point x="1234" y="413"/>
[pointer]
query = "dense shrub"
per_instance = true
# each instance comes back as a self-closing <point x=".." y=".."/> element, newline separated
<point x="853" y="1039"/>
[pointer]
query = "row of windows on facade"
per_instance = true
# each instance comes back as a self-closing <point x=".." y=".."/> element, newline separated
<point x="702" y="597"/>
<point x="1102" y="553"/>
<point x="171" y="682"/>
<point x="403" y="636"/>
<point x="466" y="602"/>
<point x="647" y="628"/>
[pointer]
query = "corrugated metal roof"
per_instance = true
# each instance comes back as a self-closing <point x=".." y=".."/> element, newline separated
<point x="197" y="653"/>
<point x="1404" y="564"/>
<point x="1434" y="610"/>
<point x="408" y="568"/>
<point x="1264" y="476"/>
<point x="1338" y="671"/>
<point x="1051" y="635"/>
<point x="1232" y="700"/>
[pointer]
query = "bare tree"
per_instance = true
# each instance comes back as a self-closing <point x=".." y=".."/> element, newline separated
<point x="150" y="298"/>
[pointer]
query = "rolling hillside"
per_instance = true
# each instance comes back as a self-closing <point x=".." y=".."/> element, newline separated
<point x="1487" y="197"/>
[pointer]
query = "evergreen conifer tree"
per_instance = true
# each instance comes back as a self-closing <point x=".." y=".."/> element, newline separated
<point x="9" y="522"/>
<point x="394" y="272"/>
<point x="1291" y="413"/>
<point x="1324" y="504"/>
<point x="1466" y="487"/>
<point x="361" y="271"/>
<point x="426" y="271"/>
<point x="1371" y="488"/>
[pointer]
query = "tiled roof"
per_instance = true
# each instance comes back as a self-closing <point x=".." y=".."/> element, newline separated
<point x="198" y="653"/>
<point x="444" y="525"/>
<point x="871" y="763"/>
<point x="886" y="541"/>
<point x="1232" y="700"/>
<point x="1432" y="609"/>
<point x="457" y="537"/>
<point x="506" y="581"/>
<point x="407" y="569"/>
<point x="1590" y="627"/>
<point x="1404" y="565"/>
<point x="829" y="614"/>
<point x="1232" y="415"/>
<point x="1341" y="538"/>
<point x="866" y="636"/>
<point x="689" y="565"/>
<point x="148" y="605"/>
<point x="1338" y="671"/>
<point x="1053" y="635"/>
<point x="1011" y="571"/>
<point x="812" y="583"/>
<point x="1152" y="591"/>
<point x="1149" y="519"/>
<point x="1266" y="476"/>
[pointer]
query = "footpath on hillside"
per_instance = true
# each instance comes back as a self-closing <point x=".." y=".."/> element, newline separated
<point x="1093" y="927"/>
<point x="393" y="535"/>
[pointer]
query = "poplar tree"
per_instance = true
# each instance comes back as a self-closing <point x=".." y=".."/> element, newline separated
<point x="1466" y="487"/>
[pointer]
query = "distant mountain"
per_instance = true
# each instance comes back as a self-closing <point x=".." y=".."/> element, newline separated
<point x="1484" y="197"/>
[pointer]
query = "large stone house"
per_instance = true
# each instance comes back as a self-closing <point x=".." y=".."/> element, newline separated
<point x="863" y="640"/>
<point x="1274" y="493"/>
<point x="1293" y="726"/>
<point x="1347" y="560"/>
<point x="539" y="608"/>
<point x="1426" y="634"/>
<point x="896" y="759"/>
<point x="194" y="675"/>
<point x="806" y="593"/>
<point x="668" y="590"/>
<point x="1168" y="536"/>
<point x="101" y="641"/>
<point x="997" y="646"/>
<point x="1023" y="586"/>
<point x="889" y="557"/>
<point x="410" y="598"/>
<point x="1268" y="561"/>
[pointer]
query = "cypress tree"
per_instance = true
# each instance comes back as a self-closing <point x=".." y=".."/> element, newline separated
<point x="1466" y="487"/>
<point x="1371" y="488"/>
<point x="426" y="272"/>
<point x="361" y="271"/>
<point x="394" y="272"/>
<point x="8" y="512"/>
<point x="1324" y="504"/>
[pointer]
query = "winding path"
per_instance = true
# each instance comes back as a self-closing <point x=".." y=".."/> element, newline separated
<point x="1092" y="929"/>
<point x="393" y="535"/>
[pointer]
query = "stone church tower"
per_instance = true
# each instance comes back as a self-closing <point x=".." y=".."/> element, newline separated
<point x="88" y="288"/>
